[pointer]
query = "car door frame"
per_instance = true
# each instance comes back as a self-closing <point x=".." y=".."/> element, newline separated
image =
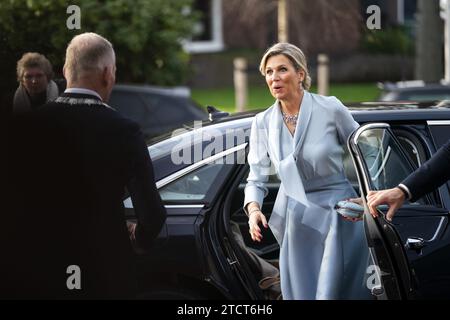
<point x="395" y="278"/>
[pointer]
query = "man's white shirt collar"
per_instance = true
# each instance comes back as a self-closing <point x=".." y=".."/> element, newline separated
<point x="83" y="91"/>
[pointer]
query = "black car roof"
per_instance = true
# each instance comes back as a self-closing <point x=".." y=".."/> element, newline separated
<point x="422" y="88"/>
<point x="378" y="111"/>
<point x="183" y="92"/>
<point x="362" y="112"/>
<point x="240" y="123"/>
<point x="399" y="111"/>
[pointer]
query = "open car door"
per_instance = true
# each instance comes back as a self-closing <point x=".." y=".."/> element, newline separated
<point x="411" y="255"/>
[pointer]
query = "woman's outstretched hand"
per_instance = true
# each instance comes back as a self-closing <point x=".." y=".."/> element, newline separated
<point x="255" y="219"/>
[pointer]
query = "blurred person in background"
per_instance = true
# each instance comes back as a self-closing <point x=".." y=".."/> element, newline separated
<point x="36" y="87"/>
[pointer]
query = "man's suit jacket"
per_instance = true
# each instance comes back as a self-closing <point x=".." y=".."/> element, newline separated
<point x="431" y="175"/>
<point x="70" y="164"/>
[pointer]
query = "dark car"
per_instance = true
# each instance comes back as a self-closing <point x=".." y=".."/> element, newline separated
<point x="156" y="109"/>
<point x="414" y="91"/>
<point x="201" y="175"/>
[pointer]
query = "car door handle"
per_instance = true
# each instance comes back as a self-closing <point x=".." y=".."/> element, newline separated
<point x="415" y="243"/>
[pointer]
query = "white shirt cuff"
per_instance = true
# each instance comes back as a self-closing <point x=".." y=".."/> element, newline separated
<point x="401" y="185"/>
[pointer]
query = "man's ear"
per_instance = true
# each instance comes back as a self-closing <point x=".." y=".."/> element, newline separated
<point x="106" y="78"/>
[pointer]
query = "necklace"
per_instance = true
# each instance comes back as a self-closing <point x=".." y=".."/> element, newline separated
<point x="290" y="119"/>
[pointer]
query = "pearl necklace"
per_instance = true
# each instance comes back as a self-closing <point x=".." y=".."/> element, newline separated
<point x="290" y="119"/>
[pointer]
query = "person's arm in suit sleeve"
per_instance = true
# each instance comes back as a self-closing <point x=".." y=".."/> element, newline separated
<point x="431" y="175"/>
<point x="148" y="207"/>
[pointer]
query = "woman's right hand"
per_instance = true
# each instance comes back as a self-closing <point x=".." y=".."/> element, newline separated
<point x="255" y="218"/>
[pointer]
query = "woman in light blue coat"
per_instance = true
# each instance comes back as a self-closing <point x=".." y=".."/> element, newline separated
<point x="302" y="136"/>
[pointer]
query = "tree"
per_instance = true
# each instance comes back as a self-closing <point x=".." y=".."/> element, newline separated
<point x="146" y="35"/>
<point x="430" y="31"/>
<point x="315" y="26"/>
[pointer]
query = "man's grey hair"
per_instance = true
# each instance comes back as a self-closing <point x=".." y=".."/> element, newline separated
<point x="294" y="54"/>
<point x="86" y="53"/>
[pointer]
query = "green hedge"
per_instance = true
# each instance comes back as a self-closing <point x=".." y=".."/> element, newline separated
<point x="146" y="35"/>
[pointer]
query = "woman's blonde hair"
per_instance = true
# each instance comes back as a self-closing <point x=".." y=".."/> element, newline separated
<point x="294" y="54"/>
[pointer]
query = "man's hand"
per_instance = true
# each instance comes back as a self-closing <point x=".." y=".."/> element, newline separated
<point x="394" y="198"/>
<point x="255" y="218"/>
<point x="131" y="231"/>
<point x="132" y="234"/>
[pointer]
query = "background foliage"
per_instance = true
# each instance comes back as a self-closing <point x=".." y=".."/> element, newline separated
<point x="146" y="36"/>
<point x="392" y="40"/>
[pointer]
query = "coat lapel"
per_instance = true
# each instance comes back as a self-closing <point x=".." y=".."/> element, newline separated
<point x="302" y="124"/>
<point x="275" y="132"/>
<point x="291" y="182"/>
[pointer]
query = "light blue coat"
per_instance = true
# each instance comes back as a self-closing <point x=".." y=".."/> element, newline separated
<point x="322" y="256"/>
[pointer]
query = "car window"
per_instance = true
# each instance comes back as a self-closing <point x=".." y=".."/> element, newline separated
<point x="128" y="104"/>
<point x="203" y="183"/>
<point x="441" y="134"/>
<point x="411" y="144"/>
<point x="193" y="186"/>
<point x="170" y="110"/>
<point x="411" y="150"/>
<point x="387" y="165"/>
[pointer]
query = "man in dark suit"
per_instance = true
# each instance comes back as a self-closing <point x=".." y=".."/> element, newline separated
<point x="429" y="176"/>
<point x="70" y="164"/>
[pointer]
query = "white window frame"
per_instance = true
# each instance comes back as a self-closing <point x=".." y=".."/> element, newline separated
<point x="216" y="44"/>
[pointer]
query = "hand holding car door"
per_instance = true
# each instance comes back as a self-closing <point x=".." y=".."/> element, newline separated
<point x="429" y="176"/>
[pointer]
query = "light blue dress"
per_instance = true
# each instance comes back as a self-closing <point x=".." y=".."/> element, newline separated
<point x="322" y="256"/>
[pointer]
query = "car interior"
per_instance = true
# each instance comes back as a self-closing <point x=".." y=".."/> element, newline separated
<point x="268" y="248"/>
